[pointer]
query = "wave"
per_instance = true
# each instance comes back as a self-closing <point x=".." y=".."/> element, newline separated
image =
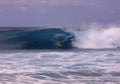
<point x="51" y="38"/>
<point x="58" y="38"/>
<point x="97" y="38"/>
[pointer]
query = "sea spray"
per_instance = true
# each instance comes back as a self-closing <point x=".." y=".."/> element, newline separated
<point x="97" y="38"/>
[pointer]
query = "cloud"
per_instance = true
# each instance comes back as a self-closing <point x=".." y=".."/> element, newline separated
<point x="14" y="4"/>
<point x="91" y="3"/>
<point x="49" y="2"/>
<point x="60" y="12"/>
<point x="63" y="2"/>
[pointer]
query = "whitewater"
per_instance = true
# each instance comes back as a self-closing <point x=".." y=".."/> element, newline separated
<point x="87" y="56"/>
<point x="97" y="38"/>
<point x="60" y="67"/>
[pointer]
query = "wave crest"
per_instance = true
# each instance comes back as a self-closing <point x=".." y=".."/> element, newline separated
<point x="97" y="38"/>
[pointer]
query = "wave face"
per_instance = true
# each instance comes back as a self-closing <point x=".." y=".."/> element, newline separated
<point x="36" y="39"/>
<point x="54" y="38"/>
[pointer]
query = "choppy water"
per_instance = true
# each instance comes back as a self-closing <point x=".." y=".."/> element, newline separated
<point x="60" y="67"/>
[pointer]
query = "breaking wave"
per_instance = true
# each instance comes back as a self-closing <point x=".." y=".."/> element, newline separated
<point x="54" y="38"/>
<point x="97" y="38"/>
<point x="51" y="38"/>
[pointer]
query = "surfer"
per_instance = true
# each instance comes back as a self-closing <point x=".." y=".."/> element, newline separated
<point x="59" y="43"/>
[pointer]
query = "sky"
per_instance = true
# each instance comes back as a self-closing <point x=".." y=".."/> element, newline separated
<point x="58" y="13"/>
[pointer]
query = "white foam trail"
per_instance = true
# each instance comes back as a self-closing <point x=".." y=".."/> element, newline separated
<point x="97" y="38"/>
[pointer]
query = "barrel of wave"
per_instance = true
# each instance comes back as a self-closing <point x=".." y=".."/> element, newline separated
<point x="63" y="41"/>
<point x="52" y="38"/>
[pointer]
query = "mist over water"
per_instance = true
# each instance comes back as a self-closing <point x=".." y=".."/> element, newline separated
<point x="97" y="38"/>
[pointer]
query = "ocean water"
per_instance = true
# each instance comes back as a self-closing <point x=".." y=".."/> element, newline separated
<point x="60" y="55"/>
<point x="80" y="66"/>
